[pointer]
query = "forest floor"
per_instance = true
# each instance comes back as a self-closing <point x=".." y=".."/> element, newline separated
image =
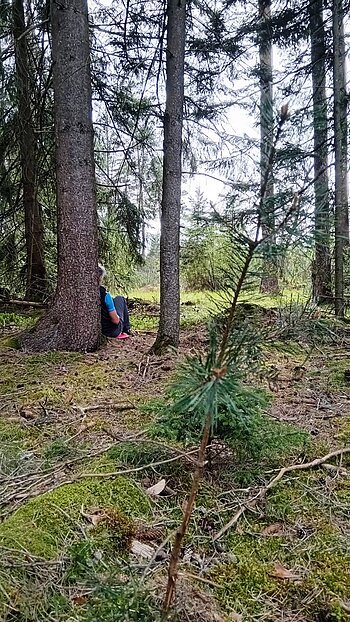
<point x="84" y="537"/>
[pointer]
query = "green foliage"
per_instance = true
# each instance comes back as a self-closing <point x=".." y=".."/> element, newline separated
<point x="233" y="405"/>
<point x="147" y="275"/>
<point x="200" y="390"/>
<point x="245" y="428"/>
<point x="118" y="601"/>
<point x="303" y="322"/>
<point x="204" y="249"/>
<point x="16" y="319"/>
<point x="59" y="448"/>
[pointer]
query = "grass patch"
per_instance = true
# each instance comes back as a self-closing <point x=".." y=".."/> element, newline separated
<point x="205" y="298"/>
<point x="16" y="319"/>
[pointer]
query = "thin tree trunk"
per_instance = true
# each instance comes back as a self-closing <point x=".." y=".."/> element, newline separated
<point x="169" y="323"/>
<point x="73" y="322"/>
<point x="322" y="281"/>
<point x="269" y="279"/>
<point x="341" y="154"/>
<point x="141" y="201"/>
<point x="36" y="277"/>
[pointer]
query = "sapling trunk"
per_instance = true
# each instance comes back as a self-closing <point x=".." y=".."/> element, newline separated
<point x="181" y="531"/>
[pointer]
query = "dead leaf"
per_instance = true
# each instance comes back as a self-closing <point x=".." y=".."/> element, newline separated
<point x="276" y="529"/>
<point x="235" y="617"/>
<point x="28" y="414"/>
<point x="86" y="426"/>
<point x="95" y="516"/>
<point x="155" y="490"/>
<point x="142" y="550"/>
<point x="79" y="599"/>
<point x="280" y="572"/>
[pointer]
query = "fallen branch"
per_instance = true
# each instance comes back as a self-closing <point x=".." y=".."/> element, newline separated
<point x="111" y="474"/>
<point x="250" y="505"/>
<point x="135" y="469"/>
<point x="105" y="406"/>
<point x="25" y="303"/>
<point x="150" y="441"/>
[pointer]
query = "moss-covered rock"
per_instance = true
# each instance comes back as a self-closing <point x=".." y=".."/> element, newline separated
<point x="44" y="524"/>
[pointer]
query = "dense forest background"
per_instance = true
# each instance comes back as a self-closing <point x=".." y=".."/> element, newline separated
<point x="242" y="62"/>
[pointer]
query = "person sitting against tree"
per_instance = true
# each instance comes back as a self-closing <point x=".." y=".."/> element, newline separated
<point x="114" y="312"/>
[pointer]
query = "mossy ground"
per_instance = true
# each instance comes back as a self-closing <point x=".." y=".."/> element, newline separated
<point x="53" y="555"/>
<point x="45" y="524"/>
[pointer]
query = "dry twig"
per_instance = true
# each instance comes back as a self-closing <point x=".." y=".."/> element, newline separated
<point x="262" y="492"/>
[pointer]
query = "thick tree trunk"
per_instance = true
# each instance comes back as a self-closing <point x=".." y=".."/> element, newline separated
<point x="169" y="324"/>
<point x="322" y="280"/>
<point x="36" y="277"/>
<point x="341" y="153"/>
<point x="73" y="322"/>
<point x="269" y="279"/>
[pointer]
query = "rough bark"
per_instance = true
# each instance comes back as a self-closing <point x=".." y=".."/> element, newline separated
<point x="341" y="153"/>
<point x="73" y="321"/>
<point x="322" y="281"/>
<point x="169" y="323"/>
<point x="269" y="279"/>
<point x="36" y="277"/>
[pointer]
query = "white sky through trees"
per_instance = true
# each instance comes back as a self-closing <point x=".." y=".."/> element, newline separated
<point x="233" y="138"/>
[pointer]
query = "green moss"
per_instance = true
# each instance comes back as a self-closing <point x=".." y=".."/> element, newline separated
<point x="11" y="432"/>
<point x="144" y="322"/>
<point x="312" y="544"/>
<point x="57" y="377"/>
<point x="11" y="342"/>
<point x="45" y="523"/>
<point x="299" y="499"/>
<point x="250" y="585"/>
<point x="59" y="448"/>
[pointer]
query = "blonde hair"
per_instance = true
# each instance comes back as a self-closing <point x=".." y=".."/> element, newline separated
<point x="101" y="271"/>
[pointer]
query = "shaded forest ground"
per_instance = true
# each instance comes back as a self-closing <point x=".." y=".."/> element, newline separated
<point x="81" y="545"/>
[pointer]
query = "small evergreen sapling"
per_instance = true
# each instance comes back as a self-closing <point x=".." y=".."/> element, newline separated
<point x="206" y="385"/>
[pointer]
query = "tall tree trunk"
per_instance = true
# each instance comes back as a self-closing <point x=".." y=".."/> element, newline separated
<point x="269" y="279"/>
<point x="341" y="153"/>
<point x="322" y="281"/>
<point x="169" y="323"/>
<point x="36" y="277"/>
<point x="73" y="322"/>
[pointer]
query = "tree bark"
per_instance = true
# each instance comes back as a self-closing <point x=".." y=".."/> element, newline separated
<point x="169" y="323"/>
<point x="322" y="280"/>
<point x="269" y="279"/>
<point x="341" y="153"/>
<point x="73" y="322"/>
<point x="36" y="277"/>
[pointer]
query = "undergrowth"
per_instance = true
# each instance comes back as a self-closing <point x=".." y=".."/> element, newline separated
<point x="16" y="319"/>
